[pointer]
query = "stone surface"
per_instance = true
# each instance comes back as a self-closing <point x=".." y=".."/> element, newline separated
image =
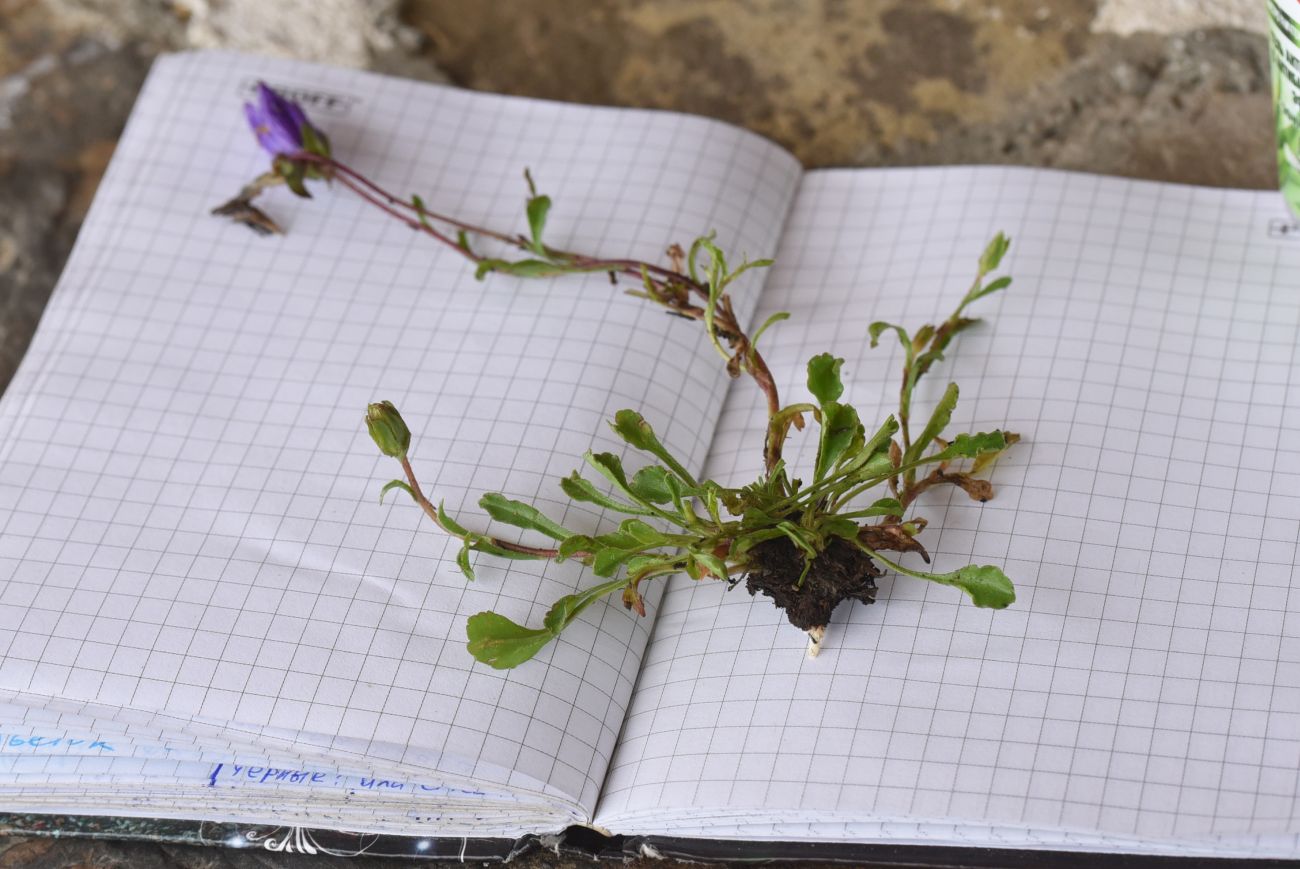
<point x="1038" y="82"/>
<point x="838" y="82"/>
<point x="897" y="82"/>
<point x="1178" y="16"/>
<point x="60" y="115"/>
<point x="360" y="33"/>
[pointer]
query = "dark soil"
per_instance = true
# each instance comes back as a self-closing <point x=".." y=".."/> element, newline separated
<point x="842" y="572"/>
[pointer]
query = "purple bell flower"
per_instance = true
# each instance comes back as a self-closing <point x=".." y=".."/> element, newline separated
<point x="280" y="124"/>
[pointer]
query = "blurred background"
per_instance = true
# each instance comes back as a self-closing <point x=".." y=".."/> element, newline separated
<point x="1167" y="89"/>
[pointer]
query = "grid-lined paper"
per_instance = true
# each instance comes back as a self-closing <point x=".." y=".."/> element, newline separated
<point x="189" y="521"/>
<point x="61" y="756"/>
<point x="1143" y="693"/>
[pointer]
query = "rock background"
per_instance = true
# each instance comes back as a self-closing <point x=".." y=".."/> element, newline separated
<point x="1168" y="89"/>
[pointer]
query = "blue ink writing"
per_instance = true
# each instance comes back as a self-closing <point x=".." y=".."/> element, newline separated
<point x="37" y="742"/>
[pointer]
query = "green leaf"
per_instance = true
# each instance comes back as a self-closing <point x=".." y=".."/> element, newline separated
<point x="985" y="459"/>
<point x="877" y="446"/>
<point x="607" y="561"/>
<point x="610" y="467"/>
<point x="395" y="484"/>
<point x="632" y="537"/>
<point x="521" y="515"/>
<point x="579" y="488"/>
<point x="717" y="260"/>
<point x="744" y="267"/>
<point x="574" y="544"/>
<point x="314" y="141"/>
<point x="938" y="422"/>
<point x="770" y="321"/>
<point x="538" y="208"/>
<point x="876" y="329"/>
<point x="620" y="540"/>
<point x="798" y="537"/>
<point x="497" y="641"/>
<point x="293" y="172"/>
<point x="882" y="507"/>
<point x="824" y="378"/>
<point x="420" y="211"/>
<point x="942" y="339"/>
<point x="715" y="282"/>
<point x="880" y="465"/>
<point x="992" y="256"/>
<point x="452" y="526"/>
<point x="632" y="427"/>
<point x="639" y="565"/>
<point x="561" y="613"/>
<point x="747" y="541"/>
<point x="991" y="288"/>
<point x="711" y="563"/>
<point x="987" y="585"/>
<point x="839" y="526"/>
<point x="525" y="268"/>
<point x="462" y="561"/>
<point x="714" y="495"/>
<point x="969" y="446"/>
<point x="690" y="257"/>
<point x="643" y="534"/>
<point x="840" y="431"/>
<point x="681" y="493"/>
<point x="755" y="517"/>
<point x="569" y="607"/>
<point x="654" y="484"/>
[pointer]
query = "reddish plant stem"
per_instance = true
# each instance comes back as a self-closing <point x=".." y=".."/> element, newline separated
<point x="345" y="171"/>
<point x="912" y="491"/>
<point x="629" y="267"/>
<point x="432" y="512"/>
<point x="666" y="280"/>
<point x="414" y="224"/>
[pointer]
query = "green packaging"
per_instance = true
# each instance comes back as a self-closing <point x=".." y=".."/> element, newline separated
<point x="1284" y="49"/>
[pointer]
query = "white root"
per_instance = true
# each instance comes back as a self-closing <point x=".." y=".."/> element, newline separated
<point x="815" y="637"/>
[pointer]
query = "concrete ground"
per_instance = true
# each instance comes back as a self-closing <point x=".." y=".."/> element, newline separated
<point x="1166" y="89"/>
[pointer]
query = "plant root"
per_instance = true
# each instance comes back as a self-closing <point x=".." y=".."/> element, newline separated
<point x="841" y="572"/>
<point x="815" y="637"/>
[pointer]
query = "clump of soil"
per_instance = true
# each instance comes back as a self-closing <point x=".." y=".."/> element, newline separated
<point x="842" y="572"/>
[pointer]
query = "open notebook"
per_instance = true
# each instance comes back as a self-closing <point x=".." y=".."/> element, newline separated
<point x="206" y="615"/>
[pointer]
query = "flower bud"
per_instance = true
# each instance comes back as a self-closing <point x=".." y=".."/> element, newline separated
<point x="281" y="125"/>
<point x="388" y="429"/>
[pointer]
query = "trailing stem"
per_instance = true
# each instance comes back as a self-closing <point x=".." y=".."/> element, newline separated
<point x="803" y="541"/>
<point x="680" y="290"/>
<point x="432" y="512"/>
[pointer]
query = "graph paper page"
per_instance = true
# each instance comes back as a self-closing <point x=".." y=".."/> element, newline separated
<point x="190" y="509"/>
<point x="60" y="756"/>
<point x="1145" y="685"/>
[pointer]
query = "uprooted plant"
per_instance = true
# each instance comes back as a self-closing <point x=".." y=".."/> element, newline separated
<point x="808" y="542"/>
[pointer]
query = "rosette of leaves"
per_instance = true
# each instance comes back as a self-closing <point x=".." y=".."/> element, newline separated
<point x="808" y="542"/>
